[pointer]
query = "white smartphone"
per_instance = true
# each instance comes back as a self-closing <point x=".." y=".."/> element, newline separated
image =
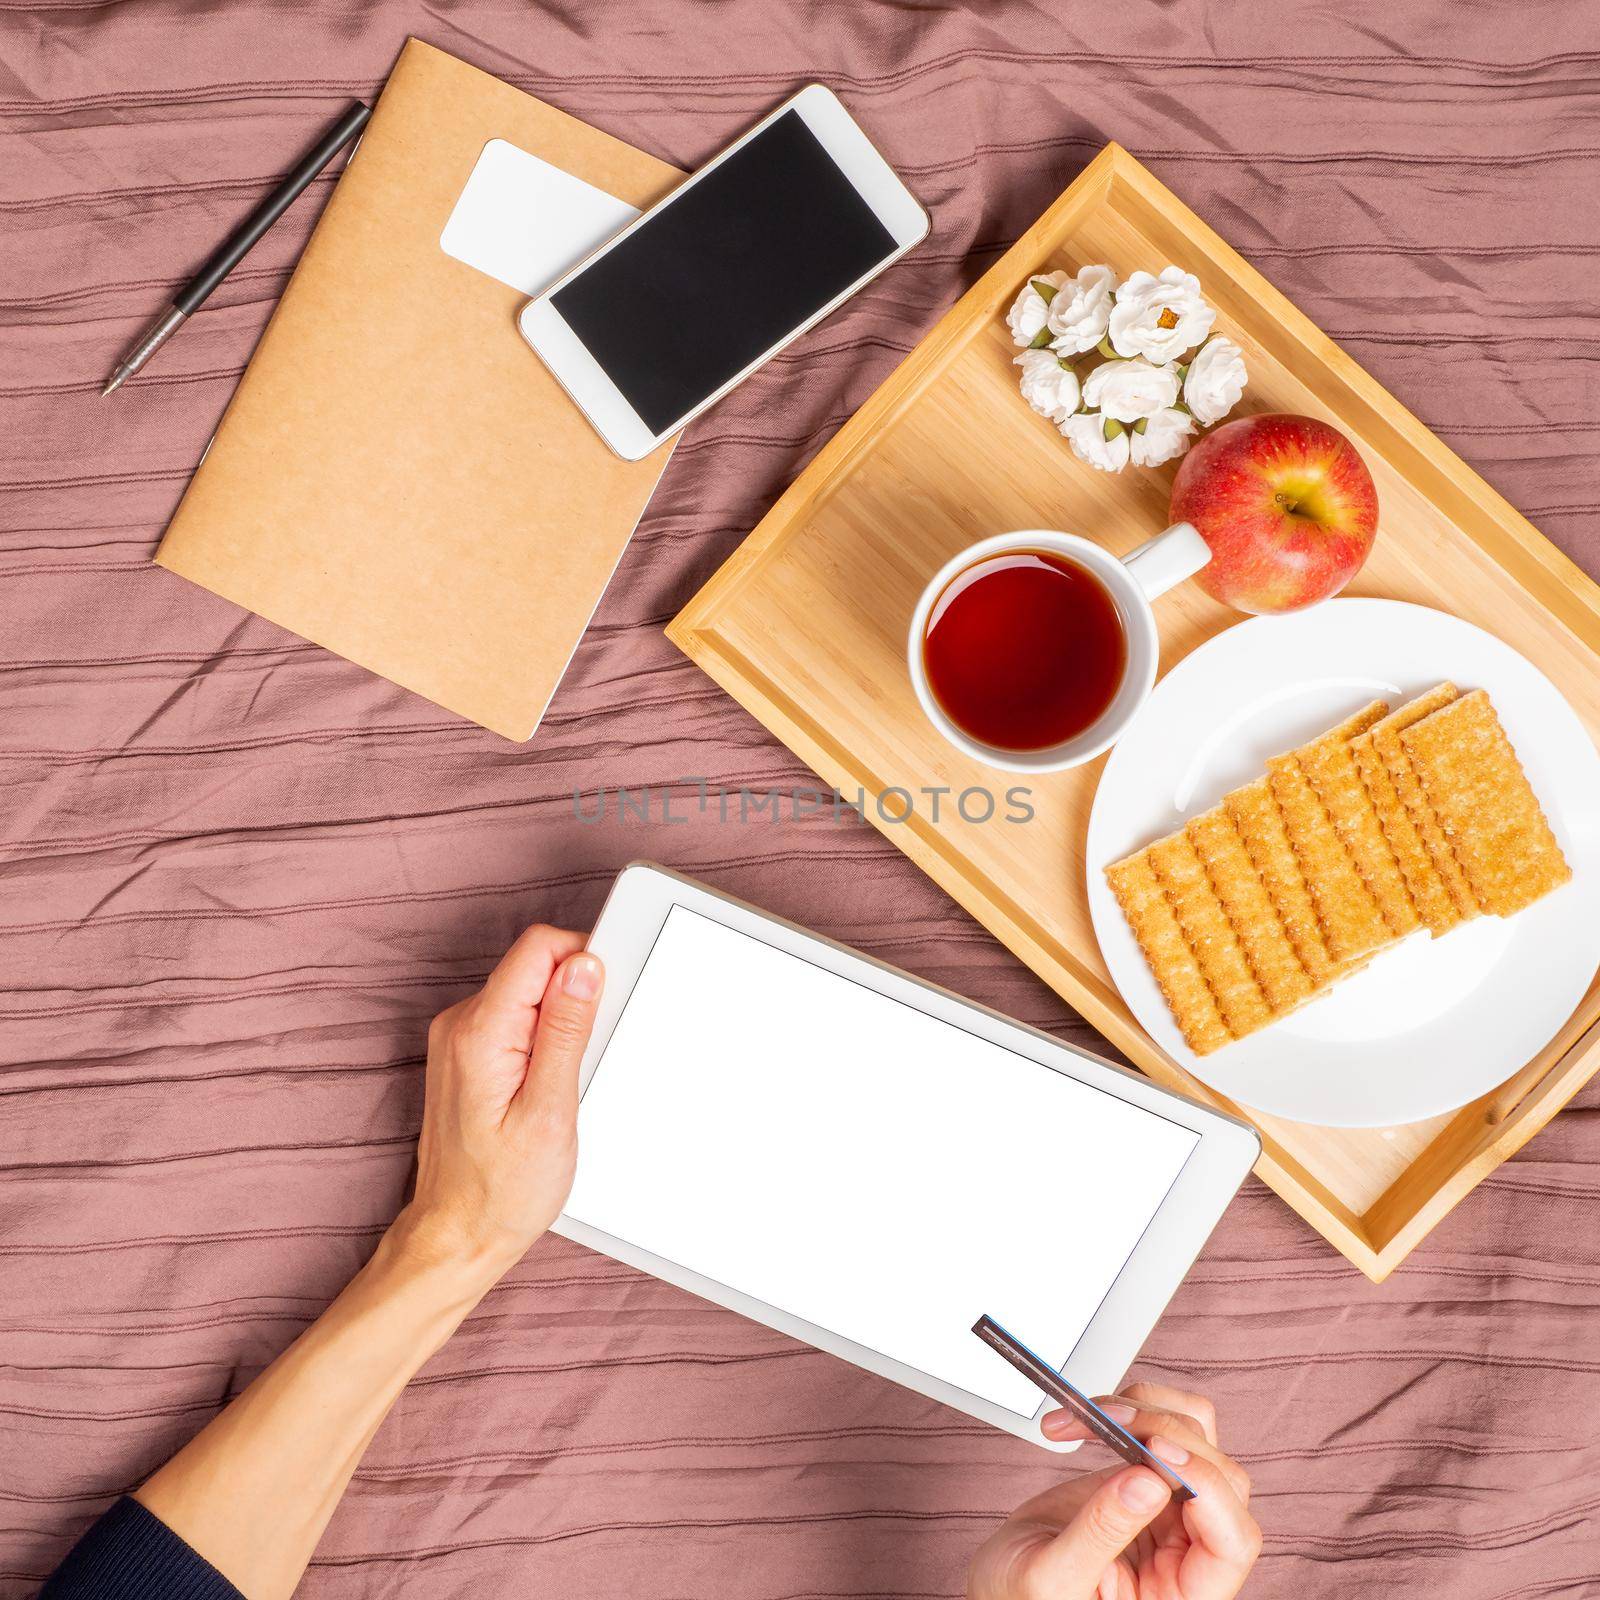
<point x="870" y="1164"/>
<point x="759" y="245"/>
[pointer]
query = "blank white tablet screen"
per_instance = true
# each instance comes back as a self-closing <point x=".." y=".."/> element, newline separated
<point x="851" y="1160"/>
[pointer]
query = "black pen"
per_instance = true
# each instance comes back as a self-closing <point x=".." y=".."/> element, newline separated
<point x="227" y="256"/>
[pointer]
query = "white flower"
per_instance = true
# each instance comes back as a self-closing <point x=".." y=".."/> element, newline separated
<point x="1080" y="310"/>
<point x="1087" y="434"/>
<point x="1159" y="317"/>
<point x="1049" y="385"/>
<point x="1161" y="436"/>
<point x="1128" y="390"/>
<point x="1215" y="380"/>
<point x="1028" y="311"/>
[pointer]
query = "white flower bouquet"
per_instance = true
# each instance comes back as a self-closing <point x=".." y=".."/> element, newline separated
<point x="1146" y="396"/>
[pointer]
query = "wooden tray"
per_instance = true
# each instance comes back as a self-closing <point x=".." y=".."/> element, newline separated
<point x="805" y="627"/>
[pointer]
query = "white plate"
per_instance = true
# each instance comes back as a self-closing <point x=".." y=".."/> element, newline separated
<point x="1432" y="1023"/>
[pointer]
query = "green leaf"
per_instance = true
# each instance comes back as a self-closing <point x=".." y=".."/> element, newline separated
<point x="1045" y="291"/>
<point x="1041" y="340"/>
<point x="1141" y="424"/>
<point x="1107" y="349"/>
<point x="1112" y="430"/>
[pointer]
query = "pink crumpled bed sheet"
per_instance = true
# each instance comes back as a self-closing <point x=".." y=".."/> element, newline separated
<point x="237" y="874"/>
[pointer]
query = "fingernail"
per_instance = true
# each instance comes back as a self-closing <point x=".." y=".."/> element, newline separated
<point x="582" y="978"/>
<point x="1120" y="1414"/>
<point x="1142" y="1491"/>
<point x="1173" y="1454"/>
<point x="1060" y="1423"/>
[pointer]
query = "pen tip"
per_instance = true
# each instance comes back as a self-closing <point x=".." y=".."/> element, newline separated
<point x="114" y="383"/>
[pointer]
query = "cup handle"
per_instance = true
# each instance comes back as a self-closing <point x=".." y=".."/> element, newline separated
<point x="1160" y="563"/>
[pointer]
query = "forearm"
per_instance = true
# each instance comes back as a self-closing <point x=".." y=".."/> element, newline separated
<point x="254" y="1490"/>
<point x="250" y="1496"/>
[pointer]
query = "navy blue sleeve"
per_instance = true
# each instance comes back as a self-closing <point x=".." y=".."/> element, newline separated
<point x="131" y="1554"/>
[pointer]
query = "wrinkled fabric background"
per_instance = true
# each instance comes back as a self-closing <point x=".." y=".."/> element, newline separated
<point x="237" y="874"/>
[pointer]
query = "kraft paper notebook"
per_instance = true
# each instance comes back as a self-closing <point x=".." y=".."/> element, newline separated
<point x="398" y="477"/>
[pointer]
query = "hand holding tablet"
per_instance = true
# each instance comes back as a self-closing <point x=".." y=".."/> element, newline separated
<point x="868" y="1163"/>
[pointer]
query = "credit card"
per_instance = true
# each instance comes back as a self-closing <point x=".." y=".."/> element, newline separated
<point x="1078" y="1403"/>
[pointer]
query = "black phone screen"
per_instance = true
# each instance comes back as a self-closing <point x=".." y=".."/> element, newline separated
<point x="716" y="278"/>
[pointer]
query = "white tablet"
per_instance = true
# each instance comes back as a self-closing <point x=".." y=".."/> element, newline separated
<point x="869" y="1164"/>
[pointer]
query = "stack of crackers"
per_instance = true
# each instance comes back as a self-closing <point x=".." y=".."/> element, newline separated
<point x="1390" y="822"/>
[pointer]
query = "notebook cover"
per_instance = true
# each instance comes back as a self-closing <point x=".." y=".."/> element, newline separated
<point x="397" y="477"/>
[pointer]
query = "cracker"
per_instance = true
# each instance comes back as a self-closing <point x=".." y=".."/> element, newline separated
<point x="1277" y="969"/>
<point x="1386" y="740"/>
<point x="1350" y="917"/>
<point x="1329" y="764"/>
<point x="1260" y="824"/>
<point x="1489" y="812"/>
<point x="1210" y="935"/>
<point x="1428" y="892"/>
<point x="1149" y="914"/>
<point x="1352" y="924"/>
<point x="1373" y="712"/>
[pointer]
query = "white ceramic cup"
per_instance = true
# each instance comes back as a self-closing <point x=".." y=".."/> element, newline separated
<point x="1132" y="582"/>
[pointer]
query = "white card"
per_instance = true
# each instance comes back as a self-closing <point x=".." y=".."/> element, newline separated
<point x="525" y="222"/>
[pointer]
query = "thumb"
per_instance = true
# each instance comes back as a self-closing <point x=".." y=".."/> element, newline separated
<point x="566" y="1018"/>
<point x="1118" y="1512"/>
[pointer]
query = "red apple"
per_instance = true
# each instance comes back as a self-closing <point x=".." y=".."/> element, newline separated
<point x="1287" y="506"/>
